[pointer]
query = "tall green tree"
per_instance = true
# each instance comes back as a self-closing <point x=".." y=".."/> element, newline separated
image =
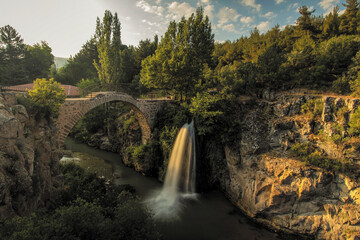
<point x="12" y="54"/>
<point x="350" y="20"/>
<point x="332" y="23"/>
<point x="182" y="55"/>
<point x="38" y="60"/>
<point x="108" y="41"/>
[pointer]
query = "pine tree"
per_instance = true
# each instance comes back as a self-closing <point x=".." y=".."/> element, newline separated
<point x="12" y="54"/>
<point x="331" y="23"/>
<point x="350" y="20"/>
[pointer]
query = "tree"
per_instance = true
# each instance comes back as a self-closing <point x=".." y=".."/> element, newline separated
<point x="332" y="23"/>
<point x="308" y="23"/>
<point x="81" y="66"/>
<point x="351" y="18"/>
<point x="12" y="53"/>
<point x="181" y="57"/>
<point x="109" y="47"/>
<point x="38" y="60"/>
<point x="48" y="94"/>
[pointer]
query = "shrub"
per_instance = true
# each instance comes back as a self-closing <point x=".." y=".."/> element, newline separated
<point x="313" y="108"/>
<point x="48" y="94"/>
<point x="354" y="123"/>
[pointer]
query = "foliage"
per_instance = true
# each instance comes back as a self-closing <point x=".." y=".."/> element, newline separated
<point x="313" y="156"/>
<point x="20" y="63"/>
<point x="12" y="51"/>
<point x="186" y="47"/>
<point x="96" y="120"/>
<point x="48" y="94"/>
<point x="204" y="108"/>
<point x="354" y="123"/>
<point x="87" y="86"/>
<point x="38" y="60"/>
<point x="112" y="212"/>
<point x="313" y="108"/>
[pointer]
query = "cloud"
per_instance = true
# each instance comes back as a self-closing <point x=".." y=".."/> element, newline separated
<point x="246" y="20"/>
<point x="269" y="15"/>
<point x="263" y="26"/>
<point x="328" y="4"/>
<point x="251" y="3"/>
<point x="226" y="14"/>
<point x="279" y="1"/>
<point x="205" y="1"/>
<point x="229" y="27"/>
<point x="150" y="23"/>
<point x="158" y="10"/>
<point x="208" y="10"/>
<point x="178" y="10"/>
<point x="293" y="6"/>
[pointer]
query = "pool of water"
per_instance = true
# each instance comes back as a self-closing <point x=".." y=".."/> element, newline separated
<point x="211" y="216"/>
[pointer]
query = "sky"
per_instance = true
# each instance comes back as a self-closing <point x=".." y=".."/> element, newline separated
<point x="67" y="24"/>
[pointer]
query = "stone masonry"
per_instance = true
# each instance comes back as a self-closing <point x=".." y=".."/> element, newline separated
<point x="74" y="108"/>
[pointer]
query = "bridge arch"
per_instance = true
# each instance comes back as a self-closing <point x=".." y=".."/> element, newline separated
<point x="75" y="108"/>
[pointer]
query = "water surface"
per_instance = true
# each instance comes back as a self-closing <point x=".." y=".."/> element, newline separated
<point x="210" y="217"/>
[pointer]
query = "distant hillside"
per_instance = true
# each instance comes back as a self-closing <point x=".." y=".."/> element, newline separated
<point x="60" y="62"/>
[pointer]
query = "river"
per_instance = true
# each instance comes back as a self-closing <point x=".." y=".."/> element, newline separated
<point x="211" y="217"/>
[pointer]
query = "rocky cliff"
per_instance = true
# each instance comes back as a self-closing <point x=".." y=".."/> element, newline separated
<point x="29" y="157"/>
<point x="270" y="183"/>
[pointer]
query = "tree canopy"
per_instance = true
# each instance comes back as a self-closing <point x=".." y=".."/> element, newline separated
<point x="181" y="57"/>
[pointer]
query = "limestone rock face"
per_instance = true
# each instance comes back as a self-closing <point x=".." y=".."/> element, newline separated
<point x="271" y="186"/>
<point x="29" y="156"/>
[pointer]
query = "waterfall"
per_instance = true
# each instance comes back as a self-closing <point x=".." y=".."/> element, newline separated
<point x="180" y="176"/>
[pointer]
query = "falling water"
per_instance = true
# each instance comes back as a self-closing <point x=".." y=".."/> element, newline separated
<point x="179" y="181"/>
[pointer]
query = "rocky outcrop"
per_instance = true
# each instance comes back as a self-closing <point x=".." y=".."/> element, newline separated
<point x="29" y="156"/>
<point x="269" y="184"/>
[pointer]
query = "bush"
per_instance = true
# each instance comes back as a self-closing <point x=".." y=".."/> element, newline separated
<point x="48" y="94"/>
<point x="313" y="156"/>
<point x="90" y="210"/>
<point x="354" y="123"/>
<point x="313" y="108"/>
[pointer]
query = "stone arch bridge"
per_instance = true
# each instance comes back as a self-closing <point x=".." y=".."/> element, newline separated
<point x="74" y="108"/>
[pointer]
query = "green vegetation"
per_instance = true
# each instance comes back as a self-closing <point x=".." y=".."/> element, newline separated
<point x="314" y="156"/>
<point x="354" y="123"/>
<point x="20" y="63"/>
<point x="186" y="47"/>
<point x="48" y="95"/>
<point x="88" y="209"/>
<point x="313" y="108"/>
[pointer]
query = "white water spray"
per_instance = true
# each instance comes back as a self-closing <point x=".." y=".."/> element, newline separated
<point x="180" y="176"/>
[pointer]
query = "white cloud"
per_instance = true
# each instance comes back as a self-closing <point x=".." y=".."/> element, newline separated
<point x="178" y="10"/>
<point x="158" y="2"/>
<point x="229" y="27"/>
<point x="158" y="10"/>
<point x="226" y="14"/>
<point x="279" y="1"/>
<point x="127" y="18"/>
<point x="328" y="4"/>
<point x="311" y="8"/>
<point x="251" y="3"/>
<point x="151" y="23"/>
<point x="208" y="10"/>
<point x="269" y="15"/>
<point x="246" y="20"/>
<point x="263" y="26"/>
<point x="293" y="6"/>
<point x="205" y="1"/>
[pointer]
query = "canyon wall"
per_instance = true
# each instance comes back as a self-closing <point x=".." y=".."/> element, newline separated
<point x="29" y="156"/>
<point x="265" y="179"/>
